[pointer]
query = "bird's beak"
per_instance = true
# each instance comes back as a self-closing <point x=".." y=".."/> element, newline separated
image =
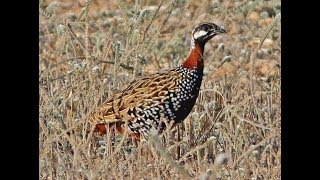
<point x="217" y="31"/>
<point x="221" y="31"/>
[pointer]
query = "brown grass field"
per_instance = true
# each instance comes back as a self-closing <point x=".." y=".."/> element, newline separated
<point x="92" y="49"/>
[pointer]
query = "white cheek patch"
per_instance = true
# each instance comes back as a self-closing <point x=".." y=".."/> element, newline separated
<point x="199" y="34"/>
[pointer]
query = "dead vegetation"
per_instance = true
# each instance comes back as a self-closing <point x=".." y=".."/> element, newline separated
<point x="91" y="49"/>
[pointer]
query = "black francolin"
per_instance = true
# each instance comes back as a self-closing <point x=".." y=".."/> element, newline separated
<point x="166" y="96"/>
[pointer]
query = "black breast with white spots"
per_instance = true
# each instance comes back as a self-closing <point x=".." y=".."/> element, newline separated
<point x="183" y="98"/>
<point x="176" y="107"/>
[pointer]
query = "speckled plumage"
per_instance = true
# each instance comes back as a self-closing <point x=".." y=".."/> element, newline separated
<point x="166" y="96"/>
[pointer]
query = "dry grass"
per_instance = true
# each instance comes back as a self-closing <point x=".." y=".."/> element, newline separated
<point x="88" y="50"/>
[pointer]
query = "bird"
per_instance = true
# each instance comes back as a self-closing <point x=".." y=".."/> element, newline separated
<point x="167" y="96"/>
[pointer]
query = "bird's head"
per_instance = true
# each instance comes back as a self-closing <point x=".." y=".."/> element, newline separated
<point x="205" y="31"/>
